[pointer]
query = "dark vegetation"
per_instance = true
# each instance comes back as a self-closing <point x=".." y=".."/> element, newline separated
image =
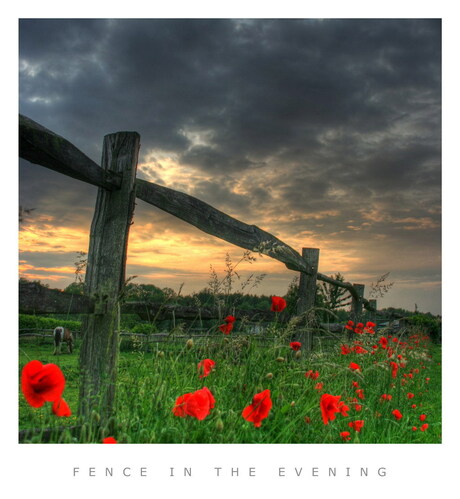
<point x="330" y="303"/>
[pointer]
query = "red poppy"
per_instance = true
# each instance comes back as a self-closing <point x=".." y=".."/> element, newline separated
<point x="345" y="350"/>
<point x="394" y="369"/>
<point x="422" y="417"/>
<point x="354" y="366"/>
<point x="356" y="425"/>
<point x="41" y="383"/>
<point x="329" y="405"/>
<point x="181" y="404"/>
<point x="343" y="408"/>
<point x="61" y="408"/>
<point x="197" y="404"/>
<point x="295" y="345"/>
<point x="410" y="395"/>
<point x="383" y="342"/>
<point x="359" y="349"/>
<point x="355" y="384"/>
<point x="345" y="435"/>
<point x="397" y="414"/>
<point x="259" y="409"/>
<point x="311" y="374"/>
<point x="359" y="328"/>
<point x="370" y="327"/>
<point x="386" y="397"/>
<point x="229" y="318"/>
<point x="319" y="386"/>
<point x="278" y="304"/>
<point x="360" y="393"/>
<point x="350" y="325"/>
<point x="205" y="366"/>
<point x="109" y="440"/>
<point x="424" y="427"/>
<point x="226" y="328"/>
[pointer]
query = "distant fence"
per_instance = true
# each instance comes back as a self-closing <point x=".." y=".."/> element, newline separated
<point x="198" y="335"/>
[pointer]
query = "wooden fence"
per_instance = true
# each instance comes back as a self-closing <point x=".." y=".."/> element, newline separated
<point x="105" y="273"/>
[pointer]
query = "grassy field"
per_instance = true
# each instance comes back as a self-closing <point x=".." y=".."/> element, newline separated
<point x="149" y="384"/>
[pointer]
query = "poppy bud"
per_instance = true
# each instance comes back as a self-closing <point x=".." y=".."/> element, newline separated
<point x="219" y="425"/>
<point x="269" y="376"/>
<point x="293" y="403"/>
<point x="96" y="417"/>
<point x="189" y="344"/>
<point x="298" y="354"/>
<point x="280" y="359"/>
<point x="160" y="354"/>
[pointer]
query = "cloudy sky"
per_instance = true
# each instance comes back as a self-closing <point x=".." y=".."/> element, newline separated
<point x="325" y="133"/>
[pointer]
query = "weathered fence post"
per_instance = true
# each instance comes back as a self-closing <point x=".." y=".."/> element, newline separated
<point x="307" y="291"/>
<point x="373" y="314"/>
<point x="105" y="276"/>
<point x="357" y="304"/>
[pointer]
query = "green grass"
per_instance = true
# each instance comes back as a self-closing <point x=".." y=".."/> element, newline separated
<point x="150" y="382"/>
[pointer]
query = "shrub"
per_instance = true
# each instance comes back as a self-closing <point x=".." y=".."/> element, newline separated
<point x="42" y="322"/>
<point x="430" y="325"/>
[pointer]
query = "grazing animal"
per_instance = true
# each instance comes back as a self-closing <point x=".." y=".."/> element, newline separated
<point x="61" y="334"/>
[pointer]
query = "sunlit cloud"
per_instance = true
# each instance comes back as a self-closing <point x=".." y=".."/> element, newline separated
<point x="42" y="236"/>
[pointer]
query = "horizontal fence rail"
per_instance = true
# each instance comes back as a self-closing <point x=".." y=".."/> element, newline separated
<point x="41" y="146"/>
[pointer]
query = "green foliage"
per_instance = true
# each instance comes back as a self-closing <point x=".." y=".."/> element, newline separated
<point x="146" y="293"/>
<point x="395" y="313"/>
<point x="149" y="383"/>
<point x="144" y="328"/>
<point x="75" y="288"/>
<point x="429" y="324"/>
<point x="40" y="322"/>
<point x="37" y="281"/>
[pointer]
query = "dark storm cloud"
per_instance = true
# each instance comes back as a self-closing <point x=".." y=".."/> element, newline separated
<point x="260" y="86"/>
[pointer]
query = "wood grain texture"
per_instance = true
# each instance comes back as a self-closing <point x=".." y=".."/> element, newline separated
<point x="41" y="146"/>
<point x="105" y="276"/>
